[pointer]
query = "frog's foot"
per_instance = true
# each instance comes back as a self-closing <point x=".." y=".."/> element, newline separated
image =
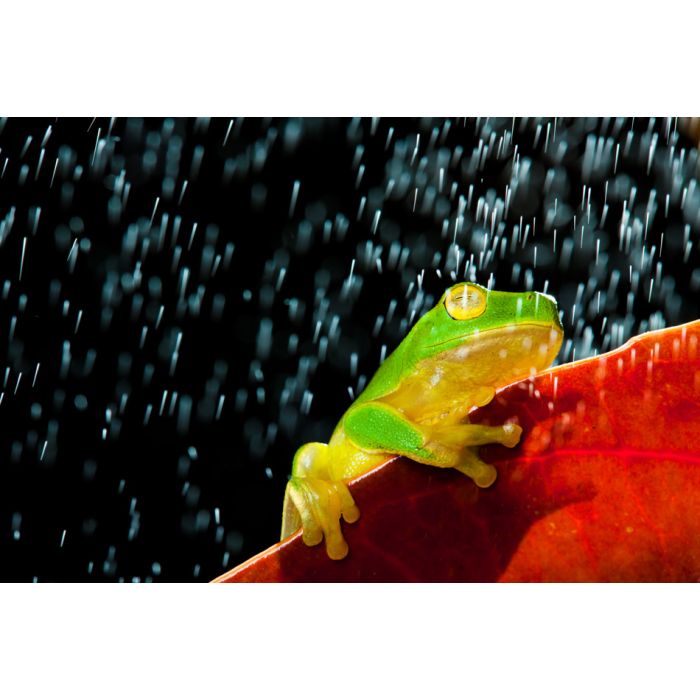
<point x="321" y="504"/>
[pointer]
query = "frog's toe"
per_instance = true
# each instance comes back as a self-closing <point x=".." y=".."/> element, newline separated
<point x="348" y="509"/>
<point x="305" y="500"/>
<point x="481" y="473"/>
<point x="334" y="501"/>
<point x="336" y="546"/>
<point x="351" y="515"/>
<point x="511" y="434"/>
<point x="485" y="476"/>
<point x="311" y="532"/>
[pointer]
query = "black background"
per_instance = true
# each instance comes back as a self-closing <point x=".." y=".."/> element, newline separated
<point x="186" y="500"/>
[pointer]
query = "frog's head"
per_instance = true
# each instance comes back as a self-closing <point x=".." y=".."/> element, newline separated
<point x="503" y="336"/>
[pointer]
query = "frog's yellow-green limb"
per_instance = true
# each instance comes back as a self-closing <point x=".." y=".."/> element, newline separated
<point x="317" y="503"/>
<point x="309" y="459"/>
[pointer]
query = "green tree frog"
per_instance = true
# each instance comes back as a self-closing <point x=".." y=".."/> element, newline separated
<point x="455" y="357"/>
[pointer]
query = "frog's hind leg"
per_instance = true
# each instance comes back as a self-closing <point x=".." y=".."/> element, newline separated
<point x="316" y="502"/>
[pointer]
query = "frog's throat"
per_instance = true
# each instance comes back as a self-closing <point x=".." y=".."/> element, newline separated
<point x="502" y="355"/>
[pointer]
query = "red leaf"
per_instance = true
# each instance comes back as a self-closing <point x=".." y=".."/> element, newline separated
<point x="604" y="486"/>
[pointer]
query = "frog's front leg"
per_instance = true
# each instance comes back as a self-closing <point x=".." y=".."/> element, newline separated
<point x="317" y="502"/>
<point x="376" y="426"/>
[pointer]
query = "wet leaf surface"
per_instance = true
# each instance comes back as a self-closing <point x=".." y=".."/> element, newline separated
<point x="604" y="486"/>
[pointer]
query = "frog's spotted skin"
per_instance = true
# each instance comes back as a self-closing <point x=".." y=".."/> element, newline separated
<point x="473" y="342"/>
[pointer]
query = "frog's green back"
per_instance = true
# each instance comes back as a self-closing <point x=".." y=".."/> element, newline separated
<point x="388" y="377"/>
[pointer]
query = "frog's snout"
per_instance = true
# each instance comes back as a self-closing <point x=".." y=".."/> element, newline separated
<point x="545" y="309"/>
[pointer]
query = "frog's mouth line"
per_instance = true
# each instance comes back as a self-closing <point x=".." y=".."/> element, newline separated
<point x="510" y="329"/>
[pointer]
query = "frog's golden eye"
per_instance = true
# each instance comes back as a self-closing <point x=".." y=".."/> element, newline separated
<point x="465" y="302"/>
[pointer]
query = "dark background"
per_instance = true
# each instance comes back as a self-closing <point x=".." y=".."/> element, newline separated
<point x="264" y="313"/>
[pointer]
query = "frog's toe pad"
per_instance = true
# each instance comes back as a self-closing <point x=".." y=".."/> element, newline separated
<point x="511" y="434"/>
<point x="481" y="473"/>
<point x="336" y="546"/>
<point x="352" y="514"/>
<point x="311" y="533"/>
